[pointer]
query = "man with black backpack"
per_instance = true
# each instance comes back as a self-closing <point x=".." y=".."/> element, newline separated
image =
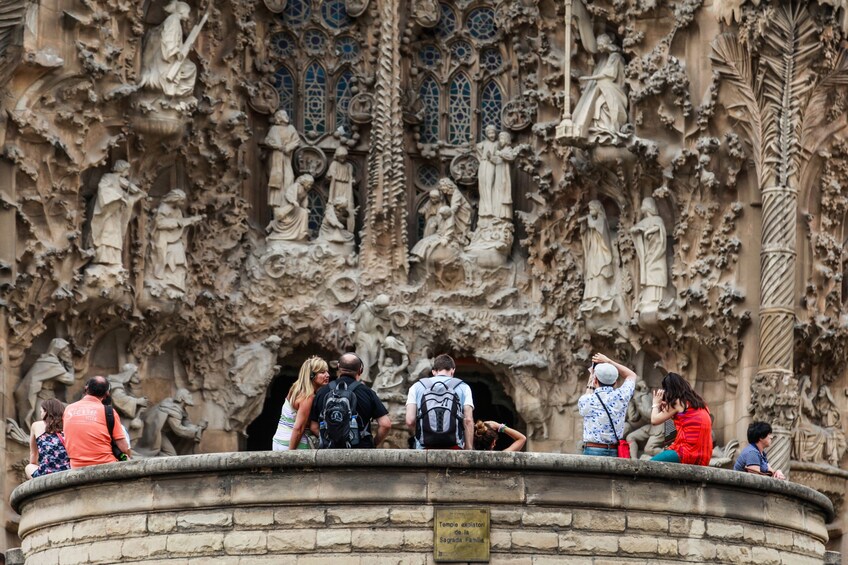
<point x="343" y="410"/>
<point x="440" y="409"/>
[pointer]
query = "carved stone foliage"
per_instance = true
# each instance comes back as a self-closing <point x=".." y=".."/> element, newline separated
<point x="421" y="231"/>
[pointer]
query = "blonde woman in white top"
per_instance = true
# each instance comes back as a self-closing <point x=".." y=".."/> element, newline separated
<point x="294" y="419"/>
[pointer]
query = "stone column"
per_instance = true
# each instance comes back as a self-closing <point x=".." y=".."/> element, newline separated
<point x="384" y="245"/>
<point x="774" y="392"/>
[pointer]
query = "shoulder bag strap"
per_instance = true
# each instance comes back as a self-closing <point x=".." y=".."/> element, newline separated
<point x="608" y="416"/>
<point x="110" y="419"/>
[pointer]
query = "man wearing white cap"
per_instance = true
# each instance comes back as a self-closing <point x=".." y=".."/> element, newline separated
<point x="604" y="407"/>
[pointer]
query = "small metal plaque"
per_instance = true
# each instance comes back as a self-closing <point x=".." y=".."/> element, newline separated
<point x="461" y="534"/>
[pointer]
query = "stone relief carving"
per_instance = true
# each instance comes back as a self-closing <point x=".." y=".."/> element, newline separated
<point x="48" y="377"/>
<point x="649" y="237"/>
<point x="168" y="430"/>
<point x="116" y="198"/>
<point x="494" y="282"/>
<point x="282" y="139"/>
<point x="254" y="365"/>
<point x="341" y="178"/>
<point x="122" y="390"/>
<point x="291" y="217"/>
<point x="168" y="264"/>
<point x="368" y="327"/>
<point x="164" y="65"/>
<point x="818" y="437"/>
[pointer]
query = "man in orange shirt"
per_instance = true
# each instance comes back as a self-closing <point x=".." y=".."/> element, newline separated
<point x="87" y="437"/>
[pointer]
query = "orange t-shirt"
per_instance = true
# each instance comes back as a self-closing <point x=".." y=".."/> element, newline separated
<point x="87" y="438"/>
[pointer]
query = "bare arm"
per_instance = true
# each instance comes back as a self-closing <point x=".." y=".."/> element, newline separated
<point x="36" y="430"/>
<point x="468" y="424"/>
<point x="518" y="439"/>
<point x="300" y="420"/>
<point x="626" y="372"/>
<point x="411" y="417"/>
<point x="123" y="446"/>
<point x="661" y="410"/>
<point x="384" y="424"/>
<point x="315" y="428"/>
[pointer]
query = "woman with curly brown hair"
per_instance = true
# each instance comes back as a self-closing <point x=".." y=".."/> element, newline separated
<point x="486" y="436"/>
<point x="294" y="419"/>
<point x="47" y="452"/>
<point x="678" y="401"/>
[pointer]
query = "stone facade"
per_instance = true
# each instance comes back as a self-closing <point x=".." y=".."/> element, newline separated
<point x="212" y="191"/>
<point x="377" y="507"/>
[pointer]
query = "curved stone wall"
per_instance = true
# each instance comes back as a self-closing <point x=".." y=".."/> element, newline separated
<point x="373" y="507"/>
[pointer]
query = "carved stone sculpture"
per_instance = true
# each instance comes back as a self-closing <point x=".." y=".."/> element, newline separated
<point x="165" y="66"/>
<point x="50" y="373"/>
<point x="598" y="292"/>
<point x="460" y="208"/>
<point x="168" y="264"/>
<point x="425" y="12"/>
<point x="254" y="365"/>
<point x="291" y="218"/>
<point x="644" y="438"/>
<point x="124" y="399"/>
<point x="283" y="140"/>
<point x="818" y="436"/>
<point x="649" y="238"/>
<point x="440" y="249"/>
<point x="368" y="326"/>
<point x="602" y="109"/>
<point x="432" y="219"/>
<point x="168" y="430"/>
<point x="334" y="228"/>
<point x="393" y="362"/>
<point x="487" y="156"/>
<point x="116" y="197"/>
<point x="340" y="174"/>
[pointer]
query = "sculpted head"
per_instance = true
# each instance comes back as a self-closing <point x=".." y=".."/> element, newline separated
<point x="596" y="209"/>
<point x="340" y="155"/>
<point x="605" y="44"/>
<point x="504" y="138"/>
<point x="180" y="8"/>
<point x="435" y="196"/>
<point x="491" y="133"/>
<point x="61" y="349"/>
<point x="281" y="117"/>
<point x="175" y="197"/>
<point x="381" y="302"/>
<point x="121" y="167"/>
<point x="183" y="396"/>
<point x="649" y="207"/>
<point x="447" y="186"/>
<point x="445" y="212"/>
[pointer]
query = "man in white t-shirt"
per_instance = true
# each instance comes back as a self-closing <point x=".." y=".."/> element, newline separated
<point x="444" y="368"/>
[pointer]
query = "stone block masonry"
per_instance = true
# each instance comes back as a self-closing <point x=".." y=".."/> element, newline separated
<point x="172" y="516"/>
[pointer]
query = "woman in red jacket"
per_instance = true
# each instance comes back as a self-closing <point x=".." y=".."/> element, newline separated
<point x="677" y="400"/>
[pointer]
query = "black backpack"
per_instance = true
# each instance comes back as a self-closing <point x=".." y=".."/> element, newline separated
<point x="339" y="426"/>
<point x="439" y="413"/>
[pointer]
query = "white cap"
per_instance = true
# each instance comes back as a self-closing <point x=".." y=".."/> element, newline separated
<point x="606" y="373"/>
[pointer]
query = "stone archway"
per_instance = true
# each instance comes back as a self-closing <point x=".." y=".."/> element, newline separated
<point x="261" y="430"/>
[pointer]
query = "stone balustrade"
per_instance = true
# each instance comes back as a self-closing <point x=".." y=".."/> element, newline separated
<point x="376" y="507"/>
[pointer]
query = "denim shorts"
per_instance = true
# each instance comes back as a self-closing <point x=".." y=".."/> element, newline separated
<point x="600" y="451"/>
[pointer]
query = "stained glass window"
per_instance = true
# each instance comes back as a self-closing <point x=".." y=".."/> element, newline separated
<point x="297" y="12"/>
<point x="283" y="44"/>
<point x="427" y="177"/>
<point x="459" y="110"/>
<point x="491" y="102"/>
<point x="429" y="56"/>
<point x="347" y="48"/>
<point x="481" y="24"/>
<point x="316" y="210"/>
<point x="461" y="51"/>
<point x="447" y="22"/>
<point x="428" y="92"/>
<point x="343" y="96"/>
<point x="314" y="98"/>
<point x="335" y="14"/>
<point x="491" y="60"/>
<point x="315" y="41"/>
<point x="284" y="81"/>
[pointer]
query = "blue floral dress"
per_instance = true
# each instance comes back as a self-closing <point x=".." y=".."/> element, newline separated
<point x="52" y="456"/>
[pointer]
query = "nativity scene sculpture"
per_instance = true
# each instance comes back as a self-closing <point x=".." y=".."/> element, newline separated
<point x="291" y="216"/>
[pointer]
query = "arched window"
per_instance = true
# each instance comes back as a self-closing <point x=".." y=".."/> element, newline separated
<point x="491" y="103"/>
<point x="284" y="81"/>
<point x="447" y="22"/>
<point x="316" y="210"/>
<point x="428" y="92"/>
<point x="343" y="96"/>
<point x="459" y="110"/>
<point x="314" y="99"/>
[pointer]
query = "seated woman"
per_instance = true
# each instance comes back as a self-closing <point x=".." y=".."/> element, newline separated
<point x="677" y="400"/>
<point x="294" y="419"/>
<point x="47" y="443"/>
<point x="486" y="435"/>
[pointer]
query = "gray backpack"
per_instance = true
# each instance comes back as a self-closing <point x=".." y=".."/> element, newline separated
<point x="439" y="414"/>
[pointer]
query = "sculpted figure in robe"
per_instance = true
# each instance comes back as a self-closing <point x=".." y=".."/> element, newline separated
<point x="168" y="430"/>
<point x="501" y="195"/>
<point x="431" y="212"/>
<point x="51" y="371"/>
<point x="291" y="219"/>
<point x="368" y="326"/>
<point x="116" y="197"/>
<point x="602" y="109"/>
<point x="164" y="64"/>
<point x="818" y="436"/>
<point x="123" y="397"/>
<point x="167" y="246"/>
<point x="598" y="294"/>
<point x="460" y="209"/>
<point x="649" y="238"/>
<point x="340" y="174"/>
<point x="391" y="374"/>
<point x="334" y="227"/>
<point x="488" y="158"/>
<point x="282" y="139"/>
